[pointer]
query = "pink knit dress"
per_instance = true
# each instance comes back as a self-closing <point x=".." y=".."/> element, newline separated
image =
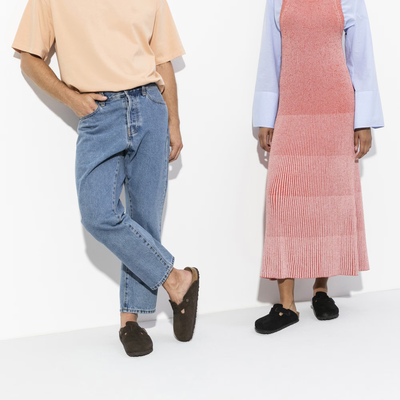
<point x="314" y="213"/>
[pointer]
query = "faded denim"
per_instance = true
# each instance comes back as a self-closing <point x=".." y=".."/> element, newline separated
<point x="125" y="141"/>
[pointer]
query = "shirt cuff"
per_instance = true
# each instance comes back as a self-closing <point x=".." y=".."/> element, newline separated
<point x="265" y="108"/>
<point x="368" y="112"/>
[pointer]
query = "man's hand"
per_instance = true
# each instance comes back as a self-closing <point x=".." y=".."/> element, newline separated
<point x="171" y="99"/>
<point x="84" y="104"/>
<point x="362" y="142"/>
<point x="36" y="69"/>
<point x="265" y="138"/>
<point x="175" y="140"/>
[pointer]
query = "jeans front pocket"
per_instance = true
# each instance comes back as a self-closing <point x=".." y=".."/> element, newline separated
<point x="154" y="94"/>
<point x="92" y="113"/>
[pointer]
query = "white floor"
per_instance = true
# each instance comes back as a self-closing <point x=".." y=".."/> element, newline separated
<point x="356" y="356"/>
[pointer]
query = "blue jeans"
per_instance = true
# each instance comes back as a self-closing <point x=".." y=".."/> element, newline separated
<point x="125" y="142"/>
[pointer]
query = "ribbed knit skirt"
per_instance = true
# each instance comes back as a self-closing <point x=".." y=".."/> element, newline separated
<point x="314" y="212"/>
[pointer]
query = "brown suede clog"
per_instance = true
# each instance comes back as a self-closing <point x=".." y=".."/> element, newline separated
<point x="184" y="322"/>
<point x="135" y="340"/>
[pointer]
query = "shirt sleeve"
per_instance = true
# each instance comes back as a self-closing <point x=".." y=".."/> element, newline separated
<point x="361" y="65"/>
<point x="165" y="41"/>
<point x="266" y="96"/>
<point x="35" y="33"/>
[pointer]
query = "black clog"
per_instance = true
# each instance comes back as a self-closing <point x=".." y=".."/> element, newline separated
<point x="324" y="307"/>
<point x="279" y="318"/>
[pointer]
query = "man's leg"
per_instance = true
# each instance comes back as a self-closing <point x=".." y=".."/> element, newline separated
<point x="135" y="297"/>
<point x="145" y="187"/>
<point x="100" y="173"/>
<point x="107" y="141"/>
<point x="146" y="170"/>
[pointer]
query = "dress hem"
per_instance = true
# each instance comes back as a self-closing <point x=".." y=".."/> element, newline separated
<point x="315" y="277"/>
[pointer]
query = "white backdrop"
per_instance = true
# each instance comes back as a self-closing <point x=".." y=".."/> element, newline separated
<point x="55" y="277"/>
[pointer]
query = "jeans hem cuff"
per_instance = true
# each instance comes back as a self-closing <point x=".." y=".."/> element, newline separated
<point x="165" y="277"/>
<point x="137" y="311"/>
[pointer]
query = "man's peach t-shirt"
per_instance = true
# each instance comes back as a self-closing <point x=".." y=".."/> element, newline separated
<point x="101" y="45"/>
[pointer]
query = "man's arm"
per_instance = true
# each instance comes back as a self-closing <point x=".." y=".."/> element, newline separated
<point x="170" y="96"/>
<point x="44" y="77"/>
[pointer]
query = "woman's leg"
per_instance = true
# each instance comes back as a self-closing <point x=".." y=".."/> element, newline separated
<point x="281" y="315"/>
<point x="320" y="285"/>
<point x="286" y="292"/>
<point x="324" y="306"/>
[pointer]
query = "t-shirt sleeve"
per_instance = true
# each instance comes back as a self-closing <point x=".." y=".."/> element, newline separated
<point x="35" y="33"/>
<point x="165" y="41"/>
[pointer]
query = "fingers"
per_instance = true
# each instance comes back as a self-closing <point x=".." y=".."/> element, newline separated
<point x="269" y="140"/>
<point x="263" y="142"/>
<point x="88" y="103"/>
<point x="262" y="138"/>
<point x="265" y="138"/>
<point x="364" y="149"/>
<point x="97" y="96"/>
<point x="355" y="141"/>
<point x="363" y="143"/>
<point x="356" y="144"/>
<point x="175" y="152"/>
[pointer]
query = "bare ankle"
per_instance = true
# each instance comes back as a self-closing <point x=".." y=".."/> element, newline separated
<point x="125" y="317"/>
<point x="320" y="289"/>
<point x="177" y="284"/>
<point x="320" y="285"/>
<point x="173" y="280"/>
<point x="289" y="305"/>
